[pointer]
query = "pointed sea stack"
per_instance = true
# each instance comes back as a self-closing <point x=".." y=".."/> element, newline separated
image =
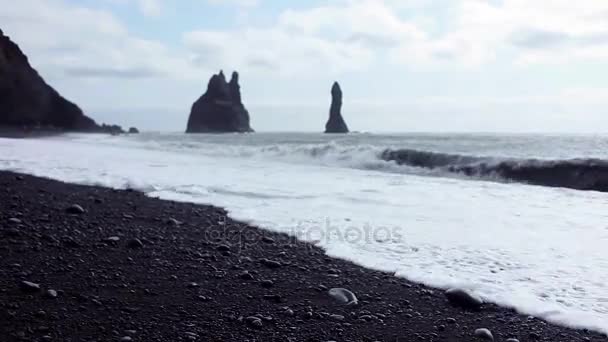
<point x="28" y="102"/>
<point x="220" y="109"/>
<point x="336" y="123"/>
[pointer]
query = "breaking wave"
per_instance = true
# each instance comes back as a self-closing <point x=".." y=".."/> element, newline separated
<point x="580" y="174"/>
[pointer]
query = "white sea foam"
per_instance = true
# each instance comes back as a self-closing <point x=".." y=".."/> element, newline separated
<point x="540" y="250"/>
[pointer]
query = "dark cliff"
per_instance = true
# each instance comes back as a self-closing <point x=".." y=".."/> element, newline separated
<point x="336" y="123"/>
<point x="220" y="109"/>
<point x="26" y="100"/>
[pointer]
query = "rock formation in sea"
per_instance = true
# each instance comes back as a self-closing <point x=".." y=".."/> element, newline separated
<point x="220" y="109"/>
<point x="28" y="102"/>
<point x="336" y="123"/>
<point x="133" y="130"/>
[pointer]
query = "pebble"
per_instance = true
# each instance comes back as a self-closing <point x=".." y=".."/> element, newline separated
<point x="484" y="334"/>
<point x="51" y="294"/>
<point x="14" y="220"/>
<point x="223" y="248"/>
<point x="135" y="243"/>
<point x="267" y="239"/>
<point x="126" y="339"/>
<point x="273" y="298"/>
<point x="337" y="317"/>
<point x="173" y="222"/>
<point x="463" y="299"/>
<point x="27" y="286"/>
<point x="343" y="296"/>
<point x="270" y="263"/>
<point x="267" y="284"/>
<point x="246" y="276"/>
<point x="113" y="239"/>
<point x="75" y="209"/>
<point x="254" y="321"/>
<point x="512" y="340"/>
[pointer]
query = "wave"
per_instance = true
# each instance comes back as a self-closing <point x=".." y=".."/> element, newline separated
<point x="579" y="174"/>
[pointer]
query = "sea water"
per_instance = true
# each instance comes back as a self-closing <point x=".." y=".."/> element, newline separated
<point x="541" y="250"/>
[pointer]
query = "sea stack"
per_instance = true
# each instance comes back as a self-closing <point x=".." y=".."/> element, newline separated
<point x="28" y="102"/>
<point x="220" y="109"/>
<point x="336" y="123"/>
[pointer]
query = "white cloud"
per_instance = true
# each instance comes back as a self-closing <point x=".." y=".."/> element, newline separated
<point x="239" y="3"/>
<point x="150" y="8"/>
<point x="75" y="41"/>
<point x="543" y="31"/>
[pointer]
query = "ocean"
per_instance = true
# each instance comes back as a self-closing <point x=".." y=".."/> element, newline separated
<point x="512" y="217"/>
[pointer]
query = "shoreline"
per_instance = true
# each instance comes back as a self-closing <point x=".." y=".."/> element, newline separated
<point x="157" y="270"/>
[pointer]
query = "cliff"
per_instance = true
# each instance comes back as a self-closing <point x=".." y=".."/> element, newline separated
<point x="27" y="101"/>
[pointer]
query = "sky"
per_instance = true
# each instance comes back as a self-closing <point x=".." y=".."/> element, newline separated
<point x="403" y="65"/>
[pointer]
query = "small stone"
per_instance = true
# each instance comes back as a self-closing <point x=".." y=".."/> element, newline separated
<point x="75" y="209"/>
<point x="173" y="222"/>
<point x="267" y="239"/>
<point x="51" y="294"/>
<point x="29" y="287"/>
<point x="464" y="299"/>
<point x="193" y="285"/>
<point x="113" y="239"/>
<point x="135" y="243"/>
<point x="337" y="317"/>
<point x="71" y="243"/>
<point x="254" y="321"/>
<point x="126" y="339"/>
<point x="14" y="220"/>
<point x="223" y="248"/>
<point x="246" y="276"/>
<point x="512" y="340"/>
<point x="270" y="263"/>
<point x="273" y="298"/>
<point x="343" y="296"/>
<point x="12" y="232"/>
<point x="267" y="284"/>
<point x="484" y="334"/>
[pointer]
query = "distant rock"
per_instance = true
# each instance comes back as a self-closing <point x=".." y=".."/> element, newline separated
<point x="133" y="130"/>
<point x="28" y="103"/>
<point x="336" y="123"/>
<point x="220" y="109"/>
<point x="111" y="129"/>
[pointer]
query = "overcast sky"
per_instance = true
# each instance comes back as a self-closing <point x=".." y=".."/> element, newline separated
<point x="404" y="65"/>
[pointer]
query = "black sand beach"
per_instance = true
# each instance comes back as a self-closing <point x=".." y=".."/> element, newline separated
<point x="127" y="270"/>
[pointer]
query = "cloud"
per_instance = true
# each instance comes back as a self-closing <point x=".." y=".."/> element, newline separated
<point x="238" y="3"/>
<point x="344" y="36"/>
<point x="540" y="31"/>
<point x="92" y="72"/>
<point x="150" y="8"/>
<point x="75" y="41"/>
